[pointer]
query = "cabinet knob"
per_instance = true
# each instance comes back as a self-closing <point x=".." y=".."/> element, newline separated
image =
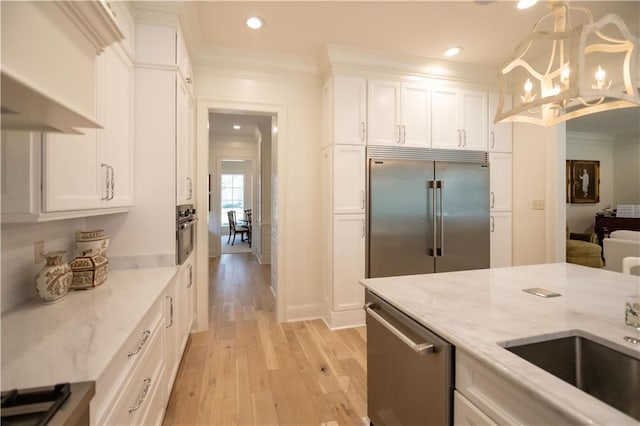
<point x="189" y="80"/>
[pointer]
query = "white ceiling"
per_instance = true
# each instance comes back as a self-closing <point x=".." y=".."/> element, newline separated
<point x="487" y="30"/>
<point x="221" y="124"/>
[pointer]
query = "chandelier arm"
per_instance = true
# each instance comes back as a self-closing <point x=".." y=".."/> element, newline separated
<point x="610" y="39"/>
<point x="595" y="102"/>
<point x="523" y="64"/>
<point x="609" y="48"/>
<point x="535" y="27"/>
<point x="552" y="58"/>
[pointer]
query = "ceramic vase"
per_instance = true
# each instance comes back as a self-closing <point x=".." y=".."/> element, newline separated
<point x="54" y="279"/>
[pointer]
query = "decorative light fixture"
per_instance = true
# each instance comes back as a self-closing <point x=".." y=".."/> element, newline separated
<point x="236" y="127"/>
<point x="568" y="72"/>
<point x="255" y="22"/>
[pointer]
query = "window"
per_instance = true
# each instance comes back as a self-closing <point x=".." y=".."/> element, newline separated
<point x="232" y="196"/>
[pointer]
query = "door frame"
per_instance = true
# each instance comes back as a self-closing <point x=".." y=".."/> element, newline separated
<point x="203" y="107"/>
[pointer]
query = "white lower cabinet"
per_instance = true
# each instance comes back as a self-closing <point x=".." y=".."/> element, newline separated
<point x="501" y="176"/>
<point x="501" y="239"/>
<point x="347" y="262"/>
<point x="125" y="389"/>
<point x="467" y="414"/>
<point x="483" y="397"/>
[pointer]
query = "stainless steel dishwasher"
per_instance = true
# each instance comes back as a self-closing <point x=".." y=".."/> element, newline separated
<point x="409" y="369"/>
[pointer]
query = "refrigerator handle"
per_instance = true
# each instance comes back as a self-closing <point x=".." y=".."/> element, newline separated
<point x="432" y="251"/>
<point x="440" y="186"/>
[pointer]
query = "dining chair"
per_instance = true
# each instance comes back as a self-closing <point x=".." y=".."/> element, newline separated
<point x="628" y="263"/>
<point x="234" y="228"/>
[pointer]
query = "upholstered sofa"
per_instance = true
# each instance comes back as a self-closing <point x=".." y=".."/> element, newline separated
<point x="619" y="245"/>
<point x="582" y="249"/>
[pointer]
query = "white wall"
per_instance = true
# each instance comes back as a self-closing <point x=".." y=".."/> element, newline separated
<point x="299" y="250"/>
<point x="626" y="173"/>
<point x="18" y="267"/>
<point x="529" y="183"/>
<point x="591" y="147"/>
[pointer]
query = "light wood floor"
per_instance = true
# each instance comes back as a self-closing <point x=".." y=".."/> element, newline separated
<point x="248" y="369"/>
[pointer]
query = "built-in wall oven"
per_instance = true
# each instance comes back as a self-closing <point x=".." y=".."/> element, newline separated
<point x="409" y="369"/>
<point x="185" y="232"/>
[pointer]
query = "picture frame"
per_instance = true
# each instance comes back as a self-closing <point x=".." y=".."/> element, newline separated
<point x="584" y="181"/>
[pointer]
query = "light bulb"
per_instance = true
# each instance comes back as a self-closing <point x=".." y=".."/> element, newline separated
<point x="564" y="75"/>
<point x="528" y="85"/>
<point x="600" y="76"/>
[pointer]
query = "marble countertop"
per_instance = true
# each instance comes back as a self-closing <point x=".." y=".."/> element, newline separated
<point x="480" y="311"/>
<point x="75" y="339"/>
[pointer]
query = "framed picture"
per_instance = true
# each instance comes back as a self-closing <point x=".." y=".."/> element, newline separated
<point x="567" y="186"/>
<point x="585" y="181"/>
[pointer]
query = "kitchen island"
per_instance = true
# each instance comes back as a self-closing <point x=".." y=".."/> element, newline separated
<point x="482" y="311"/>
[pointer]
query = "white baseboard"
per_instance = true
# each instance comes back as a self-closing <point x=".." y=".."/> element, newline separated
<point x="264" y="259"/>
<point x="336" y="320"/>
<point x="304" y="312"/>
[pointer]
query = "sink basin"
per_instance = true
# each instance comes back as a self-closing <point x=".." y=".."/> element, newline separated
<point x="601" y="371"/>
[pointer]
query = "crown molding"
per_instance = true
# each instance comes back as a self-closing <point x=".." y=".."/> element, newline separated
<point x="157" y="12"/>
<point x="346" y="59"/>
<point x="590" y="138"/>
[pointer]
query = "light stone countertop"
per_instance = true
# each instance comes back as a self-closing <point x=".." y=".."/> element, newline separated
<point x="75" y="339"/>
<point x="477" y="310"/>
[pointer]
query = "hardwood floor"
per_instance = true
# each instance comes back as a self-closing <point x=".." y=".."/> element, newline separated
<point x="247" y="369"/>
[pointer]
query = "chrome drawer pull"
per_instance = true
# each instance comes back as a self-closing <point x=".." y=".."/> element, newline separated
<point x="143" y="394"/>
<point x="143" y="341"/>
<point x="421" y="349"/>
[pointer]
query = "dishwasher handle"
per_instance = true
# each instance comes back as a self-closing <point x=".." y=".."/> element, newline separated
<point x="421" y="349"/>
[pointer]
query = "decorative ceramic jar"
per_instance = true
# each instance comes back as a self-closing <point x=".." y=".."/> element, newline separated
<point x="91" y="243"/>
<point x="88" y="271"/>
<point x="54" y="279"/>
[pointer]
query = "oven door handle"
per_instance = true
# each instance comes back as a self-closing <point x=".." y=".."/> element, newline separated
<point x="188" y="223"/>
<point x="421" y="349"/>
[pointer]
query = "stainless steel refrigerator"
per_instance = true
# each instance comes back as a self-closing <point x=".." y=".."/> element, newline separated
<point x="428" y="211"/>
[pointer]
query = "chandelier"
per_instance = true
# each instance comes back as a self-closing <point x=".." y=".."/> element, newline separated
<point x="566" y="72"/>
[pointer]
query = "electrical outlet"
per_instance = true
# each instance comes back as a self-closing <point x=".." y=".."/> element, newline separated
<point x="38" y="251"/>
<point x="538" y="204"/>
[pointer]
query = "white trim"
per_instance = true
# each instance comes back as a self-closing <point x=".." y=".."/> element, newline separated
<point x="310" y="311"/>
<point x="264" y="259"/>
<point x="203" y="106"/>
<point x="337" y="320"/>
<point x="584" y="138"/>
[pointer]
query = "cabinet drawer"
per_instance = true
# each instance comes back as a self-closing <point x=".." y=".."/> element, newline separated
<point x="140" y="388"/>
<point x="110" y="384"/>
<point x="465" y="413"/>
<point x="501" y="400"/>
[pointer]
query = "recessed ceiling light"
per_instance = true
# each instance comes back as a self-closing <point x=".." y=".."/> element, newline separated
<point x="236" y="126"/>
<point x="255" y="23"/>
<point x="525" y="4"/>
<point x="452" y="51"/>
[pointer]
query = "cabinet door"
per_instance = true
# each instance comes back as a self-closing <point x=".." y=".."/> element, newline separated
<point x="500" y="135"/>
<point x="184" y="145"/>
<point x="186" y="301"/>
<point x="348" y="261"/>
<point x="71" y="172"/>
<point x="467" y="414"/>
<point x="445" y="132"/>
<point x="171" y="335"/>
<point x="348" y="179"/>
<point x="349" y="110"/>
<point x="501" y="234"/>
<point x="416" y="115"/>
<point x="500" y="181"/>
<point x="116" y="139"/>
<point x="474" y="120"/>
<point x="383" y="113"/>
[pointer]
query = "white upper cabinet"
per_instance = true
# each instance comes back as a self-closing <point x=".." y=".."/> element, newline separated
<point x="458" y="119"/>
<point x="383" y="99"/>
<point x="346" y="110"/>
<point x="184" y="144"/>
<point x="48" y="57"/>
<point x="500" y="181"/>
<point x="500" y="135"/>
<point x="398" y="114"/>
<point x="415" y="113"/>
<point x="348" y="179"/>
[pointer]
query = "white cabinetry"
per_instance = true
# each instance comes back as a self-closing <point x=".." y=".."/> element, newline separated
<point x="458" y="119"/>
<point x="345" y="111"/>
<point x="500" y="203"/>
<point x="133" y="381"/>
<point x="348" y="262"/>
<point x="348" y="164"/>
<point x="501" y="134"/>
<point x="398" y="113"/>
<point x="48" y="60"/>
<point x="483" y="397"/>
<point x="184" y="143"/>
<point x="79" y="175"/>
<point x="501" y="237"/>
